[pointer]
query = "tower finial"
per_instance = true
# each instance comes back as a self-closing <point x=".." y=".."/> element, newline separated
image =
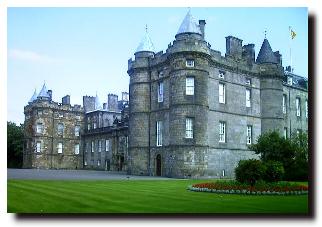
<point x="146" y="27"/>
<point x="265" y="32"/>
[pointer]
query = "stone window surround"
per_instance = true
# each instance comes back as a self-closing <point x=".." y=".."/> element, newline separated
<point x="298" y="106"/>
<point x="190" y="63"/>
<point x="222" y="132"/>
<point x="249" y="134"/>
<point x="189" y="127"/>
<point x="160" y="91"/>
<point x="159" y="128"/>
<point x="190" y="85"/>
<point x="60" y="147"/>
<point x="222" y="93"/>
<point x="76" y="148"/>
<point x="248" y="97"/>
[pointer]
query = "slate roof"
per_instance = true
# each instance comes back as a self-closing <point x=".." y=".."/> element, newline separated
<point x="145" y="44"/>
<point x="44" y="92"/>
<point x="266" y="54"/>
<point x="34" y="97"/>
<point x="189" y="25"/>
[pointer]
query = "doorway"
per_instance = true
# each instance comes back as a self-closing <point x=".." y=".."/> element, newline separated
<point x="158" y="165"/>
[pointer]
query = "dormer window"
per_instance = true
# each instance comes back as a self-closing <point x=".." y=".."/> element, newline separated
<point x="190" y="63"/>
<point x="289" y="80"/>
<point x="221" y="74"/>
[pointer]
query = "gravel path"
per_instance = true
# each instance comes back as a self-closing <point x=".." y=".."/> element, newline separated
<point x="44" y="174"/>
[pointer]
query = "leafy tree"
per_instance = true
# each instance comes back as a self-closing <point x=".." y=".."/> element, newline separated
<point x="292" y="153"/>
<point x="274" y="171"/>
<point x="15" y="138"/>
<point x="250" y="171"/>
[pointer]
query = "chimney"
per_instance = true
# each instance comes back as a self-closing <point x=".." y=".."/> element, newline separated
<point x="234" y="47"/>
<point x="112" y="102"/>
<point x="202" y="24"/>
<point x="50" y="93"/>
<point x="66" y="100"/>
<point x="104" y="105"/>
<point x="125" y="96"/>
<point x="249" y="53"/>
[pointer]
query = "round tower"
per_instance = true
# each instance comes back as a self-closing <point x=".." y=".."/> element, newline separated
<point x="188" y="57"/>
<point x="271" y="89"/>
<point x="139" y="108"/>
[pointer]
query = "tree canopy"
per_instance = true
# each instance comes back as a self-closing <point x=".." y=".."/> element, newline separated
<point x="15" y="136"/>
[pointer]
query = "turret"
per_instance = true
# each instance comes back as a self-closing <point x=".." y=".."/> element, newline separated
<point x="43" y="94"/>
<point x="271" y="73"/>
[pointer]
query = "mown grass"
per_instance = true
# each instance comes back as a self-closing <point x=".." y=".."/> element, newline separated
<point x="139" y="196"/>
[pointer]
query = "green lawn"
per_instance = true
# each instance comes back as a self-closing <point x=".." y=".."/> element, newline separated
<point x="134" y="196"/>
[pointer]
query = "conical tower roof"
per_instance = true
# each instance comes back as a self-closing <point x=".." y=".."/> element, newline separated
<point x="266" y="54"/>
<point x="34" y="97"/>
<point x="189" y="25"/>
<point x="98" y="105"/>
<point x="44" y="92"/>
<point x="145" y="44"/>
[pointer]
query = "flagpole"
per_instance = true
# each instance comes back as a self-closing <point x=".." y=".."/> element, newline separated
<point x="290" y="45"/>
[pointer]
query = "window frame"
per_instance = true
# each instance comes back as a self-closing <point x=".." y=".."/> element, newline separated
<point x="298" y="106"/>
<point x="159" y="129"/>
<point x="107" y="145"/>
<point x="40" y="128"/>
<point x="249" y="134"/>
<point x="248" y="95"/>
<point x="60" y="147"/>
<point x="189" y="128"/>
<point x="284" y="103"/>
<point x="76" y="151"/>
<point x="190" y="85"/>
<point x="60" y="130"/>
<point x="190" y="63"/>
<point x="222" y="89"/>
<point x="77" y="130"/>
<point x="160" y="91"/>
<point x="222" y="132"/>
<point x="38" y="148"/>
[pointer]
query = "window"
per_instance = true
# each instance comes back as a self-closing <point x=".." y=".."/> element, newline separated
<point x="285" y="133"/>
<point x="99" y="146"/>
<point x="248" y="81"/>
<point x="107" y="145"/>
<point x="222" y="98"/>
<point x="88" y="126"/>
<point x="77" y="129"/>
<point x="190" y="63"/>
<point x="298" y="107"/>
<point x="85" y="163"/>
<point x="189" y="127"/>
<point x="60" y="148"/>
<point x="60" y="115"/>
<point x="221" y="74"/>
<point x="222" y="132"/>
<point x="160" y="92"/>
<point x="39" y="112"/>
<point x="38" y="147"/>
<point x="190" y="86"/>
<point x="92" y="146"/>
<point x="76" y="148"/>
<point x="284" y="104"/>
<point x="159" y="133"/>
<point x="249" y="134"/>
<point x="298" y="131"/>
<point x="40" y="128"/>
<point x="94" y="125"/>
<point x="289" y="80"/>
<point x="60" y="128"/>
<point x="78" y="117"/>
<point x="98" y="162"/>
<point x="306" y="110"/>
<point x="248" y="97"/>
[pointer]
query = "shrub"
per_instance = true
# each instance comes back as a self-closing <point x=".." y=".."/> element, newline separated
<point x="274" y="171"/>
<point x="250" y="171"/>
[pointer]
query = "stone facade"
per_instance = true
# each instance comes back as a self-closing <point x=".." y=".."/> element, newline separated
<point x="53" y="135"/>
<point x="61" y="136"/>
<point x="212" y="106"/>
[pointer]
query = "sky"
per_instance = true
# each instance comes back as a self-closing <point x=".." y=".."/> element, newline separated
<point x="84" y="51"/>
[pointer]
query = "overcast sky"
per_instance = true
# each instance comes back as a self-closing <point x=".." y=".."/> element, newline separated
<point x="81" y="51"/>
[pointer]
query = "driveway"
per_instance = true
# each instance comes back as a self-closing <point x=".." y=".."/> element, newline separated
<point x="45" y="174"/>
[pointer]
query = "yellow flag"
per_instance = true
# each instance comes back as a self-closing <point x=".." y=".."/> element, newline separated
<point x="293" y="34"/>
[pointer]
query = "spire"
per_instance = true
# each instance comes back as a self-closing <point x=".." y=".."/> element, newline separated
<point x="98" y="105"/>
<point x="266" y="54"/>
<point x="34" y="97"/>
<point x="189" y="25"/>
<point x="44" y="92"/>
<point x="146" y="43"/>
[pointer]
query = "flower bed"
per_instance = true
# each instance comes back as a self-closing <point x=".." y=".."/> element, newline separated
<point x="233" y="187"/>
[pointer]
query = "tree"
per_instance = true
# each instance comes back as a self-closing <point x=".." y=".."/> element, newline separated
<point x="292" y="153"/>
<point x="15" y="136"/>
<point x="250" y="171"/>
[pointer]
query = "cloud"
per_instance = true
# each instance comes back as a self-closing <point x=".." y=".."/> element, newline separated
<point x="27" y="55"/>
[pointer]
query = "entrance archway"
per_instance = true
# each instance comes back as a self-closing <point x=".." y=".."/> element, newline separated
<point x="158" y="165"/>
